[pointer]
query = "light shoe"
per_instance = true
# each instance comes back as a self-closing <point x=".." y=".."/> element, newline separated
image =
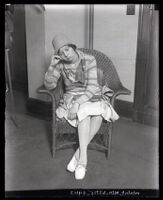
<point x="72" y="164"/>
<point x="80" y="171"/>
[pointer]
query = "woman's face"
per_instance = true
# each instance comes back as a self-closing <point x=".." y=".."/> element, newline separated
<point x="67" y="53"/>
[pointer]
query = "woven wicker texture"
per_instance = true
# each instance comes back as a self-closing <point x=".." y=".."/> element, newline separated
<point x="110" y="75"/>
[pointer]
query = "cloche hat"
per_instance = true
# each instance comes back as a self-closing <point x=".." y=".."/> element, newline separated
<point x="61" y="40"/>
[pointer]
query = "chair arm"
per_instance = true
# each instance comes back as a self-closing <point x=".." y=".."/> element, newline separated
<point x="123" y="91"/>
<point x="43" y="90"/>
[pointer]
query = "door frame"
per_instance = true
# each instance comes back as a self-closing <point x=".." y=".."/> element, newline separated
<point x="143" y="67"/>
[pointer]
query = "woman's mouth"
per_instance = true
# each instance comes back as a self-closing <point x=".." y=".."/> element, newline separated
<point x="68" y="58"/>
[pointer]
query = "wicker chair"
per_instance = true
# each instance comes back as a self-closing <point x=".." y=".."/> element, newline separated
<point x="63" y="134"/>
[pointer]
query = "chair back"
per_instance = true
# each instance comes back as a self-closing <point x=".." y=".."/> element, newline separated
<point x="110" y="75"/>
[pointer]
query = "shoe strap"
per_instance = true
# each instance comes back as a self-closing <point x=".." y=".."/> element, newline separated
<point x="81" y="166"/>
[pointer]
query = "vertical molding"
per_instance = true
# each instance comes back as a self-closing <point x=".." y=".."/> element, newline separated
<point x="91" y="25"/>
<point x="19" y="67"/>
<point x="141" y="62"/>
<point x="143" y="67"/>
<point x="151" y="106"/>
<point x="25" y="42"/>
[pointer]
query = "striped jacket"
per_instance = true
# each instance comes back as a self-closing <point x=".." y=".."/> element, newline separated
<point x="81" y="80"/>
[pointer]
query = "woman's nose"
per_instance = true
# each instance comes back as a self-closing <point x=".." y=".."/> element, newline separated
<point x="66" y="54"/>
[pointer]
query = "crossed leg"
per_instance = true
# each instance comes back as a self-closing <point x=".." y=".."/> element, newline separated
<point x="83" y="134"/>
<point x="86" y="131"/>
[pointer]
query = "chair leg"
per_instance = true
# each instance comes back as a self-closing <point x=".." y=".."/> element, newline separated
<point x="109" y="147"/>
<point x="53" y="147"/>
<point x="109" y="143"/>
<point x="53" y="152"/>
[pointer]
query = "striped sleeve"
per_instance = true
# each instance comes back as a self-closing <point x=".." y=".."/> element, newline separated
<point x="92" y="83"/>
<point x="52" y="76"/>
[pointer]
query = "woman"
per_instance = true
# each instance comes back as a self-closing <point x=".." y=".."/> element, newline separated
<point x="81" y="105"/>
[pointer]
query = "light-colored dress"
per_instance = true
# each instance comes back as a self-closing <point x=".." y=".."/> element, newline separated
<point x="81" y="86"/>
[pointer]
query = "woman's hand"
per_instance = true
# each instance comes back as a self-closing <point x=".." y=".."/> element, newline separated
<point x="55" y="60"/>
<point x="73" y="110"/>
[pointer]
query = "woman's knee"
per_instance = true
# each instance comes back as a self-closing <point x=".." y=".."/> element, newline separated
<point x="85" y="120"/>
<point x="84" y="125"/>
<point x="97" y="118"/>
<point x="96" y="122"/>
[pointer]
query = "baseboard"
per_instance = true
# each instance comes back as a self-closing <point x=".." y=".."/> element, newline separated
<point x="38" y="108"/>
<point x="124" y="108"/>
<point x="148" y="117"/>
<point x="43" y="110"/>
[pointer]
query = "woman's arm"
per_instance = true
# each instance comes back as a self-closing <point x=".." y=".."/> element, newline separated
<point x="52" y="75"/>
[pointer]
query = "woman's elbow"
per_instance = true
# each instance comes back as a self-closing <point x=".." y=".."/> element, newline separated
<point x="49" y="86"/>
